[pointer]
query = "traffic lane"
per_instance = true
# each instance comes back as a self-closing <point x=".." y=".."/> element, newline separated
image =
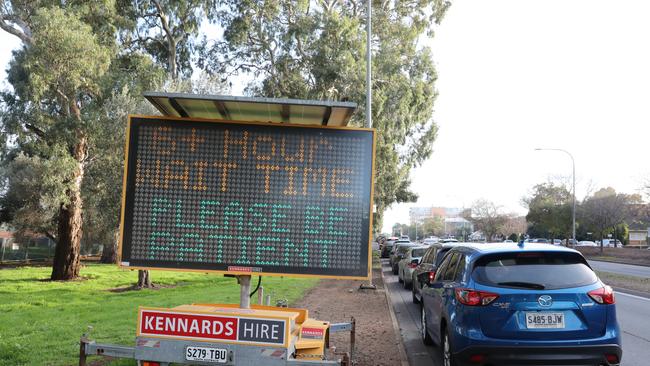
<point x="632" y="312"/>
<point x="408" y="318"/>
<point x="624" y="269"/>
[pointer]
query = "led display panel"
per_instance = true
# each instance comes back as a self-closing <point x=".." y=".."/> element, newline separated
<point x="242" y="197"/>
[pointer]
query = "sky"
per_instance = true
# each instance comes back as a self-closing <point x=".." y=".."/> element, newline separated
<point x="514" y="75"/>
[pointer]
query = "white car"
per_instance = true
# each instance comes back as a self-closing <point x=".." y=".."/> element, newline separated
<point x="586" y="243"/>
<point x="610" y="243"/>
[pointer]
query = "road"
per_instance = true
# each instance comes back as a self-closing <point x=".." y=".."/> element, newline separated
<point x="633" y="315"/>
<point x="624" y="269"/>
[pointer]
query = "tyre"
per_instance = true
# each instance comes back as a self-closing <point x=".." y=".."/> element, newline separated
<point x="415" y="299"/>
<point x="394" y="270"/>
<point x="407" y="285"/>
<point x="426" y="338"/>
<point x="446" y="354"/>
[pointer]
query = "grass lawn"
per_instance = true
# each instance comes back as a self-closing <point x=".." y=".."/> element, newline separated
<point x="625" y="282"/>
<point x="41" y="321"/>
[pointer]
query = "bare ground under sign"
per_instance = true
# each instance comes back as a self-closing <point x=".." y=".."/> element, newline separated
<point x="338" y="300"/>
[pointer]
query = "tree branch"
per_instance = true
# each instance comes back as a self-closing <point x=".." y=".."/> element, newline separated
<point x="37" y="131"/>
<point x="24" y="33"/>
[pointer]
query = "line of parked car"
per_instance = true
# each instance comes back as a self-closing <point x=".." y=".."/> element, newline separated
<point x="508" y="303"/>
<point x="611" y="243"/>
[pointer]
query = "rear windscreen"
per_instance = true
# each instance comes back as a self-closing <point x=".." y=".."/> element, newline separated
<point x="403" y="249"/>
<point x="533" y="270"/>
<point x="418" y="252"/>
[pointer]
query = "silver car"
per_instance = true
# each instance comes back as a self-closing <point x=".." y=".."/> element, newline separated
<point x="406" y="266"/>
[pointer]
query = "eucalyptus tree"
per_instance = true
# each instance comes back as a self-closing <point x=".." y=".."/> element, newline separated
<point x="167" y="30"/>
<point x="69" y="65"/>
<point x="316" y="50"/>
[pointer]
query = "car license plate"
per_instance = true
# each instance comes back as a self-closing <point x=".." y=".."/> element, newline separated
<point x="204" y="354"/>
<point x="544" y="320"/>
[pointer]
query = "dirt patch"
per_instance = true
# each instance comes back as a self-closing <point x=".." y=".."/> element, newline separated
<point x="337" y="301"/>
<point x="137" y="288"/>
<point x="621" y="255"/>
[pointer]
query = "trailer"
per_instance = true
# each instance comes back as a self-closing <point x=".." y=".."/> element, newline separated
<point x="225" y="334"/>
<point x="243" y="186"/>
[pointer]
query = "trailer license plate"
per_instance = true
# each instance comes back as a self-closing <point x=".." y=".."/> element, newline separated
<point x="204" y="354"/>
<point x="545" y="320"/>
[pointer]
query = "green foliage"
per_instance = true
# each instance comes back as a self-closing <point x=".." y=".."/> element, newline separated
<point x="433" y="226"/>
<point x="167" y="30"/>
<point x="550" y="211"/>
<point x="54" y="315"/>
<point x="487" y="217"/>
<point x="315" y="50"/>
<point x="604" y="211"/>
<point x="37" y="186"/>
<point x="65" y="59"/>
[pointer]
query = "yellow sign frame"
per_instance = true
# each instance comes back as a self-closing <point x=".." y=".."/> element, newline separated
<point x="296" y="275"/>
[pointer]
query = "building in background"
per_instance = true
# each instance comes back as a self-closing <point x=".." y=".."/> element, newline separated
<point x="638" y="237"/>
<point x="420" y="213"/>
<point x="453" y="224"/>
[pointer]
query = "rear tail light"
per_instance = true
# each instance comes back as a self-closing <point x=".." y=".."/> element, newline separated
<point x="479" y="358"/>
<point x="474" y="298"/>
<point x="611" y="358"/>
<point x="603" y="295"/>
<point x="412" y="265"/>
<point x="432" y="275"/>
<point x="150" y="363"/>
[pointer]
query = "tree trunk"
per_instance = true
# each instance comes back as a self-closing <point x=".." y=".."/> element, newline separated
<point x="66" y="256"/>
<point x="144" y="279"/>
<point x="109" y="254"/>
<point x="602" y="235"/>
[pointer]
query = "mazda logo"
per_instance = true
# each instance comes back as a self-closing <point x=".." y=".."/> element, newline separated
<point x="545" y="300"/>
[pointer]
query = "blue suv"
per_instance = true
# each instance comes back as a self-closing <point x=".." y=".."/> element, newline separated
<point x="519" y="304"/>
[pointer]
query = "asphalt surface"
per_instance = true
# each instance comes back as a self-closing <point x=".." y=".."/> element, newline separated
<point x="633" y="316"/>
<point x="624" y="269"/>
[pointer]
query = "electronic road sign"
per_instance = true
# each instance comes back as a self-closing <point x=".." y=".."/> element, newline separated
<point x="247" y="198"/>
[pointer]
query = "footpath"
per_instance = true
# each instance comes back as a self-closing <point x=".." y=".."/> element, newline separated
<point x="377" y="343"/>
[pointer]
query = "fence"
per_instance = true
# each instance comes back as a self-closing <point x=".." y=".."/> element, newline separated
<point x="12" y="252"/>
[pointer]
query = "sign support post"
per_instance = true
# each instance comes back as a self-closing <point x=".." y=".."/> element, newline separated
<point x="244" y="291"/>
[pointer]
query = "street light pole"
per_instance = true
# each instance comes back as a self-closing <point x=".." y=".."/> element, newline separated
<point x="573" y="163"/>
<point x="370" y="285"/>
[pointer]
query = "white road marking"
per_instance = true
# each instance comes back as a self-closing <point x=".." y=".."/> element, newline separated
<point x="632" y="296"/>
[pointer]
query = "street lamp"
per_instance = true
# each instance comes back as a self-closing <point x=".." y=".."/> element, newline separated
<point x="370" y="285"/>
<point x="573" y="163"/>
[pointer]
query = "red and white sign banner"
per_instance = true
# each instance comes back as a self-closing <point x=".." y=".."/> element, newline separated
<point x="208" y="327"/>
<point x="312" y="333"/>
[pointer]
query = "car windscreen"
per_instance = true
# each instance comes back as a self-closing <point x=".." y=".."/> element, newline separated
<point x="418" y="252"/>
<point x="533" y="270"/>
